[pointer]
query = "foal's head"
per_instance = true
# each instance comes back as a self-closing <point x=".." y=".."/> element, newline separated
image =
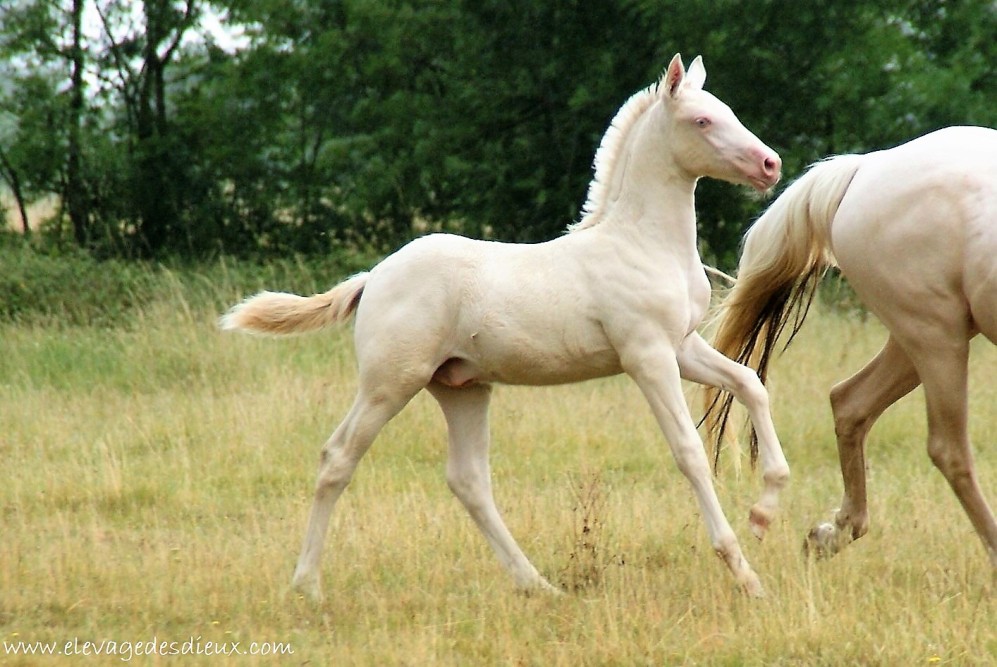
<point x="704" y="136"/>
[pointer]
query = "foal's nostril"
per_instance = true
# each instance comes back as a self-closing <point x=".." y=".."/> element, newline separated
<point x="772" y="165"/>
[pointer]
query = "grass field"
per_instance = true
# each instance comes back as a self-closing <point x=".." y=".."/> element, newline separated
<point x="156" y="479"/>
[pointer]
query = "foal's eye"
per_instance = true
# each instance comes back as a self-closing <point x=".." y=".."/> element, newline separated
<point x="702" y="121"/>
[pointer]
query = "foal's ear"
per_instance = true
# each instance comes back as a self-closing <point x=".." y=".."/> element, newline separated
<point x="671" y="82"/>
<point x="696" y="76"/>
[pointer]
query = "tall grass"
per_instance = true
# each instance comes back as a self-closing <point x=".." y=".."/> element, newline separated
<point x="157" y="475"/>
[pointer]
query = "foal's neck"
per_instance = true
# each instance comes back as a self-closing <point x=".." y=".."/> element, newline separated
<point x="659" y="207"/>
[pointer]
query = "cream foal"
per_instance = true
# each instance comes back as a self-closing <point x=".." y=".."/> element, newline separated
<point x="622" y="292"/>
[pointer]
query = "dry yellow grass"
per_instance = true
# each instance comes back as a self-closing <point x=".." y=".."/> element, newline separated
<point x="156" y="482"/>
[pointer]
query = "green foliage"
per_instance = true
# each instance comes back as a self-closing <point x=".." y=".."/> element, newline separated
<point x="533" y="88"/>
<point x="70" y="287"/>
<point x="360" y="123"/>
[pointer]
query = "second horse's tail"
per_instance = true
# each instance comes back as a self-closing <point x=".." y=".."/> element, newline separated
<point x="785" y="254"/>
<point x="280" y="314"/>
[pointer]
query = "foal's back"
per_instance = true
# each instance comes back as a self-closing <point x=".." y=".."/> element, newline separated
<point x="916" y="231"/>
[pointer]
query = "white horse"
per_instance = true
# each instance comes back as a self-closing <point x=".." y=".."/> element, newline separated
<point x="914" y="230"/>
<point x="622" y="292"/>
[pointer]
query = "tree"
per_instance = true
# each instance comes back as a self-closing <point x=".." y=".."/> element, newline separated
<point x="142" y="82"/>
<point x="480" y="117"/>
<point x="41" y="127"/>
<point x="350" y="89"/>
<point x="76" y="190"/>
<point x="10" y="173"/>
<point x="530" y="94"/>
<point x="358" y="123"/>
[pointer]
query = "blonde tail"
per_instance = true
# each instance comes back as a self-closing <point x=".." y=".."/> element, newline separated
<point x="785" y="254"/>
<point x="281" y="314"/>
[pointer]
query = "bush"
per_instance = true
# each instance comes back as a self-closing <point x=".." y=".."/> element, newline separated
<point x="68" y="287"/>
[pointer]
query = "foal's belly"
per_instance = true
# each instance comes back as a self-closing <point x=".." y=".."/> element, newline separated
<point x="539" y="358"/>
<point x="459" y="372"/>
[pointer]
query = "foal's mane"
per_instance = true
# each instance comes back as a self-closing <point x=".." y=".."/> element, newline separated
<point x="607" y="156"/>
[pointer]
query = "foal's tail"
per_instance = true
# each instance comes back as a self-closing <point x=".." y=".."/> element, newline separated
<point x="280" y="314"/>
<point x="785" y="254"/>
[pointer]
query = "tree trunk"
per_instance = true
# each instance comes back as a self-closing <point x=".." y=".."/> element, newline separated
<point x="76" y="196"/>
<point x="155" y="191"/>
<point x="10" y="175"/>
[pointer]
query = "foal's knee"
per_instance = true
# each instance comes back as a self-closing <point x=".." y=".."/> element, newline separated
<point x="690" y="457"/>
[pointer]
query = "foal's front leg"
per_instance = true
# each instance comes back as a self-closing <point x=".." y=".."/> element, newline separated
<point x="655" y="370"/>
<point x="700" y="363"/>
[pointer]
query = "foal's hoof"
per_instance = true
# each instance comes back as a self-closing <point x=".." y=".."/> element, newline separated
<point x="759" y="519"/>
<point x="308" y="589"/>
<point x="539" y="587"/>
<point x="752" y="587"/>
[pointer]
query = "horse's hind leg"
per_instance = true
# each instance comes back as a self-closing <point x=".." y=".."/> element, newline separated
<point x="340" y="455"/>
<point x="700" y="363"/>
<point x="469" y="476"/>
<point x="941" y="358"/>
<point x="856" y="404"/>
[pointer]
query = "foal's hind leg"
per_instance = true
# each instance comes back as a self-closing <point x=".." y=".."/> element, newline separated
<point x="700" y="363"/>
<point x="856" y="404"/>
<point x="340" y="455"/>
<point x="469" y="476"/>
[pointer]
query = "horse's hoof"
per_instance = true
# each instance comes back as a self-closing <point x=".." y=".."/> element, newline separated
<point x="821" y="542"/>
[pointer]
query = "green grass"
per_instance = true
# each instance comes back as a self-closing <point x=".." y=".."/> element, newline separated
<point x="157" y="476"/>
